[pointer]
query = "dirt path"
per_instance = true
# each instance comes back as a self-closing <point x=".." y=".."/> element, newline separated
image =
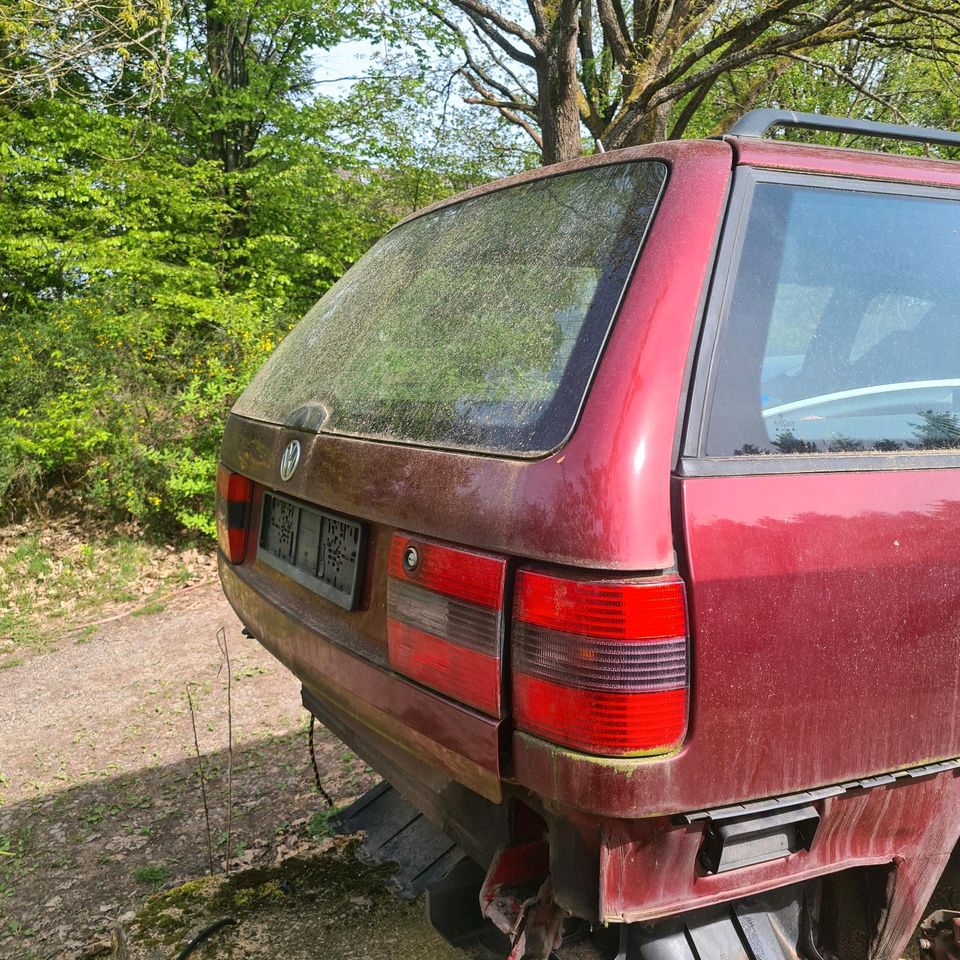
<point x="100" y="802"/>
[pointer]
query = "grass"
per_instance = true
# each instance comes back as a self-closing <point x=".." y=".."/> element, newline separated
<point x="155" y="606"/>
<point x="57" y="578"/>
<point x="154" y="876"/>
<point x="319" y="825"/>
<point x="248" y="672"/>
<point x="12" y="852"/>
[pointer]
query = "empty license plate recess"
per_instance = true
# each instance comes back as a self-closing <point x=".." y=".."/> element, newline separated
<point x="321" y="550"/>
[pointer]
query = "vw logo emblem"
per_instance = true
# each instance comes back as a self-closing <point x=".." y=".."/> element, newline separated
<point x="290" y="459"/>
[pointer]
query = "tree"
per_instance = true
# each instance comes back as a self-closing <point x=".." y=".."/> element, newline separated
<point x="86" y="48"/>
<point x="637" y="73"/>
<point x="162" y="230"/>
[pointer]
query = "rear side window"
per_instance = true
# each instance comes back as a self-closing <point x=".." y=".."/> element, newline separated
<point x="476" y="326"/>
<point x="842" y="333"/>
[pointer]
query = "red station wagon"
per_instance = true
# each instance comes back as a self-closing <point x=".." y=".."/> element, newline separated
<point x="612" y="513"/>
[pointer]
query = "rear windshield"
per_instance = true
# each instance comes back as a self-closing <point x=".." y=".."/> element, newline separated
<point x="476" y="326"/>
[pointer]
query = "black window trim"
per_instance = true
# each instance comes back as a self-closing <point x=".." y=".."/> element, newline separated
<point x="694" y="462"/>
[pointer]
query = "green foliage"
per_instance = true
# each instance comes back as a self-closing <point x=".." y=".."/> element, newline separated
<point x="319" y="825"/>
<point x="154" y="251"/>
<point x="848" y="78"/>
<point x="154" y="876"/>
<point x="940" y="430"/>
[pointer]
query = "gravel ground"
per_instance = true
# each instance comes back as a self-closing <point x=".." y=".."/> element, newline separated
<point x="102" y="814"/>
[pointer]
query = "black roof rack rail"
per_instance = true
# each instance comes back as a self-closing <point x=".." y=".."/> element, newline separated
<point x="757" y="122"/>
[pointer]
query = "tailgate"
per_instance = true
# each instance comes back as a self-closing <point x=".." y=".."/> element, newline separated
<point x="436" y="472"/>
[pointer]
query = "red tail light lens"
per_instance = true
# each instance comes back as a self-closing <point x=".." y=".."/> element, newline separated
<point x="234" y="498"/>
<point x="445" y="619"/>
<point x="601" y="665"/>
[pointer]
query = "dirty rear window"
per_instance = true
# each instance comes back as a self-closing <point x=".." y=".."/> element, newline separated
<point x="476" y="326"/>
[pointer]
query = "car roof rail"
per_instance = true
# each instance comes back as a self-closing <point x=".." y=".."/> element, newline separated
<point x="757" y="122"/>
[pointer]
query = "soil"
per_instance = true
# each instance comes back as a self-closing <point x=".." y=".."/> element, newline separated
<point x="102" y="826"/>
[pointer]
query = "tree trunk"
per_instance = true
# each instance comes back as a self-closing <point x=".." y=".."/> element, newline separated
<point x="231" y="141"/>
<point x="651" y="128"/>
<point x="633" y="131"/>
<point x="227" y="66"/>
<point x="557" y="89"/>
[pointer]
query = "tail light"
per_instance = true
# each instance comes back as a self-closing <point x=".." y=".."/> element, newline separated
<point x="445" y="619"/>
<point x="234" y="497"/>
<point x="600" y="665"/>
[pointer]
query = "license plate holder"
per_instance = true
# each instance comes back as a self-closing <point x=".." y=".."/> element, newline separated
<point x="322" y="551"/>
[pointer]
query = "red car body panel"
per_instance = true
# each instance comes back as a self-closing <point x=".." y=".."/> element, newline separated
<point x="823" y="606"/>
<point x="842" y="589"/>
<point x="837" y="587"/>
<point x="844" y="163"/>
<point x="649" y="869"/>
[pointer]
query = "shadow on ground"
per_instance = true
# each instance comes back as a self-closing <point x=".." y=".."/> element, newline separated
<point x="77" y="863"/>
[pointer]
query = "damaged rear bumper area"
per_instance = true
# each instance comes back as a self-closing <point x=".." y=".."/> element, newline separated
<point x="788" y="877"/>
<point x="509" y="912"/>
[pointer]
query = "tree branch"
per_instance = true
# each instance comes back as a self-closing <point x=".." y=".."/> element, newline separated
<point x="613" y="31"/>
<point x="851" y="81"/>
<point x="747" y="30"/>
<point x="482" y="13"/>
<point x="507" y="110"/>
<point x="524" y="89"/>
<point x="536" y="12"/>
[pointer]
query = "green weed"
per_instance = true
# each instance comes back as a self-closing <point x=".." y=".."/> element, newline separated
<point x="319" y="825"/>
<point x="150" y="609"/>
<point x="154" y="876"/>
<point x="248" y="672"/>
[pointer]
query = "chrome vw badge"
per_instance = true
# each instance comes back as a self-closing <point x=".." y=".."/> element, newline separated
<point x="290" y="459"/>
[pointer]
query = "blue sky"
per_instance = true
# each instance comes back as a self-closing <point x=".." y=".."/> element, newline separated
<point x="348" y="59"/>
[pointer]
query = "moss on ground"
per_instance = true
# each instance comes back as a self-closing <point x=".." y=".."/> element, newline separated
<point x="324" y="907"/>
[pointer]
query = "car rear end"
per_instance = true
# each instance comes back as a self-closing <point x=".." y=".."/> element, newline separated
<point x="472" y="557"/>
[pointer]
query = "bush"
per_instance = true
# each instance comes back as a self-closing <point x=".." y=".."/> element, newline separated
<point x="142" y="284"/>
<point x="135" y="305"/>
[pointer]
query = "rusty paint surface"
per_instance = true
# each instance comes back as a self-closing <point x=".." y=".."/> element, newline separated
<point x="651" y="868"/>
